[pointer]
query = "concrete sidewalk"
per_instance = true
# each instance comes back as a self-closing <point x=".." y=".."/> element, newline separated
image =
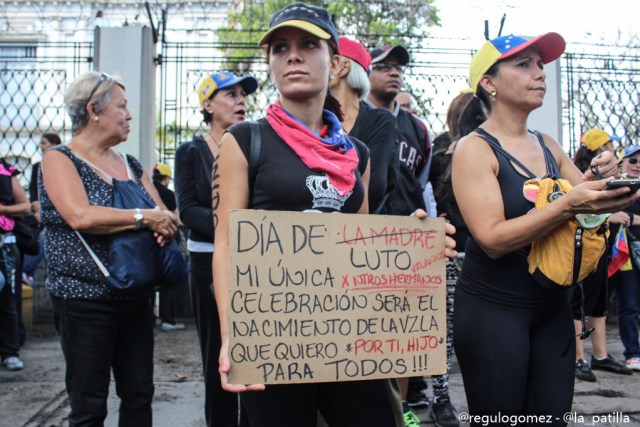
<point x="36" y="396"/>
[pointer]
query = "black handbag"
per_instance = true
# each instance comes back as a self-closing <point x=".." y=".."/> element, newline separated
<point x="136" y="262"/>
<point x="27" y="232"/>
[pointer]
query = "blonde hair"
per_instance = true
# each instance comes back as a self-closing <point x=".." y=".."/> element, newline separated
<point x="79" y="95"/>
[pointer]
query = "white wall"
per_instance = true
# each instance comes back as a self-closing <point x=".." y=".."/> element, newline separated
<point x="128" y="52"/>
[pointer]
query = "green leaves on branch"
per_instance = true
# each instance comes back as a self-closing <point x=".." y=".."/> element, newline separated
<point x="371" y="22"/>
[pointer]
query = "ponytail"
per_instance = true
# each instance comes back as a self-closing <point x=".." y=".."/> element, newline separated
<point x="478" y="109"/>
<point x="582" y="158"/>
<point x="333" y="105"/>
<point x="472" y="117"/>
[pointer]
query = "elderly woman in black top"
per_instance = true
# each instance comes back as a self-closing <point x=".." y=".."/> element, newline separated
<point x="222" y="97"/>
<point x="100" y="330"/>
<point x="376" y="127"/>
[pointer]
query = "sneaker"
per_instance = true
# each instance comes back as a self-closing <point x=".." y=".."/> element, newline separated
<point x="416" y="399"/>
<point x="583" y="371"/>
<point x="13" y="363"/>
<point x="411" y="419"/>
<point x="633" y="363"/>
<point x="610" y="364"/>
<point x="444" y="414"/>
<point x="170" y="327"/>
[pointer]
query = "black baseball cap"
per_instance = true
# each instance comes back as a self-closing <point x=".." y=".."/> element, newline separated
<point x="312" y="19"/>
<point x="380" y="53"/>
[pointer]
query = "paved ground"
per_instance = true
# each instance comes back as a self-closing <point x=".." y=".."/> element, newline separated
<point x="36" y="396"/>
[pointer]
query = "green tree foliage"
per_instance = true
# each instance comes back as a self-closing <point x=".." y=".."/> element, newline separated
<point x="371" y="22"/>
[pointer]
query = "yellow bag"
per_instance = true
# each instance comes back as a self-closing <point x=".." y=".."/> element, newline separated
<point x="568" y="254"/>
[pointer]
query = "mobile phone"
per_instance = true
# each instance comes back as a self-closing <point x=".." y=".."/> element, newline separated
<point x="633" y="184"/>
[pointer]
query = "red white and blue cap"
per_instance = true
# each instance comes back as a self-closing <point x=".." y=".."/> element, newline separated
<point x="549" y="46"/>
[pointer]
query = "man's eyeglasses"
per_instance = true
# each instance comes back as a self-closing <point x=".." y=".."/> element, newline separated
<point x="386" y="67"/>
<point x="103" y="77"/>
<point x="632" y="160"/>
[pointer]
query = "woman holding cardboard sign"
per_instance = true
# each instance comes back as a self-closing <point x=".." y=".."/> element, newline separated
<point x="514" y="339"/>
<point x="296" y="135"/>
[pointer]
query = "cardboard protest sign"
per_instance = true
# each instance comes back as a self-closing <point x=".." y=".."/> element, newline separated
<point x="316" y="297"/>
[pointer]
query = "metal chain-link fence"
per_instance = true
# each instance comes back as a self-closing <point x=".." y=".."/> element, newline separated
<point x="602" y="91"/>
<point x="599" y="90"/>
<point x="33" y="80"/>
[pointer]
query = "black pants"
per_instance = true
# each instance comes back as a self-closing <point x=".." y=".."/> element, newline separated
<point x="342" y="404"/>
<point x="515" y="361"/>
<point x="96" y="337"/>
<point x="9" y="336"/>
<point x="221" y="407"/>
<point x="167" y="305"/>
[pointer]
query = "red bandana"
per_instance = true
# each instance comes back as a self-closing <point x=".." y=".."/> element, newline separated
<point x="335" y="155"/>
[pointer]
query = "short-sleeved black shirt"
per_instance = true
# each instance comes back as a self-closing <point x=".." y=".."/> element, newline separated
<point x="283" y="182"/>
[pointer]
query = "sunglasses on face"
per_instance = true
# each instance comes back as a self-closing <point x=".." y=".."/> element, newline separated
<point x="632" y="160"/>
<point x="386" y="67"/>
<point x="103" y="78"/>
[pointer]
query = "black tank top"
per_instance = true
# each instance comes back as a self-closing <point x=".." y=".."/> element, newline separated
<point x="283" y="182"/>
<point x="506" y="280"/>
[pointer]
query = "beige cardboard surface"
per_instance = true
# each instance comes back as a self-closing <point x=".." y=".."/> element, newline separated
<point x="335" y="297"/>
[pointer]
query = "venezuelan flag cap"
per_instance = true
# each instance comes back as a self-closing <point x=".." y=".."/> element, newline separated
<point x="224" y="79"/>
<point x="550" y="46"/>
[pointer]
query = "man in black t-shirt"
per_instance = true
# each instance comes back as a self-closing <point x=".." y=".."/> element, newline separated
<point x="414" y="144"/>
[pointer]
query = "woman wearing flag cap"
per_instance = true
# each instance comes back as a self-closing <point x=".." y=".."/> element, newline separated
<point x="514" y="339"/>
<point x="222" y="98"/>
<point x="303" y="149"/>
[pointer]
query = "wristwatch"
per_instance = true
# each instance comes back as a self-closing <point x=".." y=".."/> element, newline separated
<point x="138" y="216"/>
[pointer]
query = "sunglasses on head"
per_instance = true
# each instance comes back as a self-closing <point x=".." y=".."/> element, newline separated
<point x="103" y="77"/>
<point x="385" y="67"/>
<point x="633" y="160"/>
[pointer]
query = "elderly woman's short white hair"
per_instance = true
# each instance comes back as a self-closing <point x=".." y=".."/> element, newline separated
<point x="357" y="79"/>
<point x="93" y="87"/>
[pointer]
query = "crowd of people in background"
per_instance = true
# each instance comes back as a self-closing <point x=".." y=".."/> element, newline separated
<point x="344" y="117"/>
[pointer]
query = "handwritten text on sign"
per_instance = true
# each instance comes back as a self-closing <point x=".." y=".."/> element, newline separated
<point x="335" y="297"/>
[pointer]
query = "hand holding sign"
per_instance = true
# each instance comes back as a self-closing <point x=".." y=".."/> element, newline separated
<point x="450" y="230"/>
